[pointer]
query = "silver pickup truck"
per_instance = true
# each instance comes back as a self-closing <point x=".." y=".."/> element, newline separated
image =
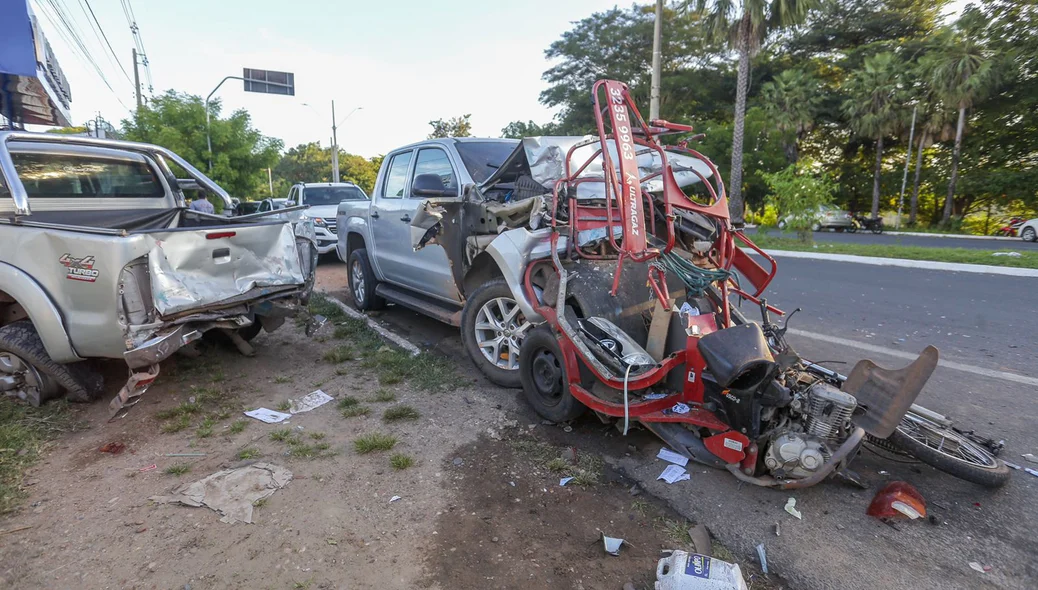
<point x="453" y="226"/>
<point x="101" y="259"/>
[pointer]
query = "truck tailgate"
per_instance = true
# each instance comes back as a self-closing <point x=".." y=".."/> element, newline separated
<point x="194" y="269"/>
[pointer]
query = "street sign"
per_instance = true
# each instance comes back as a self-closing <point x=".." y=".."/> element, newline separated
<point x="268" y="82"/>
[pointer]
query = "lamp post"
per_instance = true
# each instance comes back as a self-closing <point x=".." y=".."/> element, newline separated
<point x="208" y="139"/>
<point x="261" y="81"/>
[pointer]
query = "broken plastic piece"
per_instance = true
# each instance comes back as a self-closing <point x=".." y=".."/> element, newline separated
<point x="394" y="498"/>
<point x="564" y="481"/>
<point x="309" y="401"/>
<point x="977" y="567"/>
<point x="791" y="507"/>
<point x="763" y="558"/>
<point x="700" y="539"/>
<point x="612" y="545"/>
<point x="897" y="499"/>
<point x="113" y="447"/>
<point x="1031" y="471"/>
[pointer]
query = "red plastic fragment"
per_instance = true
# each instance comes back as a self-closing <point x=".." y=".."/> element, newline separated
<point x="113" y="447"/>
<point x="897" y="499"/>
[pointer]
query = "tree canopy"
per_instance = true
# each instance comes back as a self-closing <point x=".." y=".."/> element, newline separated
<point x="309" y="162"/>
<point x="453" y="127"/>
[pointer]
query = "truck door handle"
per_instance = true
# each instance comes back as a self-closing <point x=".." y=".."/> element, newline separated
<point x="374" y="214"/>
<point x="406" y="218"/>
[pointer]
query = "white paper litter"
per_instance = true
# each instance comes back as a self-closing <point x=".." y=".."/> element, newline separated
<point x="654" y="396"/>
<point x="976" y="567"/>
<point x="672" y="457"/>
<point x="310" y="401"/>
<point x="791" y="507"/>
<point x="268" y="416"/>
<point x="681" y="408"/>
<point x="232" y="492"/>
<point x="674" y="474"/>
<point x="612" y="545"/>
<point x="1009" y="254"/>
<point x="564" y="481"/>
<point x="394" y="498"/>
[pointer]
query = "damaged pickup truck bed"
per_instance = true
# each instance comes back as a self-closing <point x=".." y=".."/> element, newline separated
<point x="453" y="223"/>
<point x="101" y="259"/>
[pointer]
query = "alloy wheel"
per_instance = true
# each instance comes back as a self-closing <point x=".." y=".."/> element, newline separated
<point x="499" y="329"/>
<point x="357" y="281"/>
<point x="21" y="378"/>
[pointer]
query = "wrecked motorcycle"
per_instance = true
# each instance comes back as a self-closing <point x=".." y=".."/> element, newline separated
<point x="639" y="328"/>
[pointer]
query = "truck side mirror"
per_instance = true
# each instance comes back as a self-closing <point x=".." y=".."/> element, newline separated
<point x="430" y="185"/>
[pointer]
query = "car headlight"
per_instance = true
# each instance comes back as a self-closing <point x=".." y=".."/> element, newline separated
<point x="318" y="222"/>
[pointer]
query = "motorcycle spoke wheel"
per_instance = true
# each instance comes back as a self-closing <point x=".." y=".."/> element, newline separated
<point x="944" y="448"/>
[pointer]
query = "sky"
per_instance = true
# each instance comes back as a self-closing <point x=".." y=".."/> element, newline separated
<point x="405" y="62"/>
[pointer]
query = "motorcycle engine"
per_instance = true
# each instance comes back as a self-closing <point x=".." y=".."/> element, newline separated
<point x="800" y="451"/>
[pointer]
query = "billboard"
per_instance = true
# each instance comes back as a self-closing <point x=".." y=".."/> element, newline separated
<point x="268" y="82"/>
<point x="33" y="88"/>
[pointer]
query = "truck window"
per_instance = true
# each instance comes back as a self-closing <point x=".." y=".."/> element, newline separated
<point x="316" y="196"/>
<point x="72" y="176"/>
<point x="483" y="158"/>
<point x="396" y="176"/>
<point x="434" y="161"/>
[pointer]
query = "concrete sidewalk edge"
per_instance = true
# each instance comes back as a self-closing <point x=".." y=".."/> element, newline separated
<point x="923" y="264"/>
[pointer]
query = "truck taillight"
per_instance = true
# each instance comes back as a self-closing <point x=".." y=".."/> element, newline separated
<point x="220" y="234"/>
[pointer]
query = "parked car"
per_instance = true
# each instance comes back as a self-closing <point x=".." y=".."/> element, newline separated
<point x="453" y="223"/>
<point x="250" y="207"/>
<point x="1028" y="232"/>
<point x="323" y="200"/>
<point x="279" y="203"/>
<point x="102" y="259"/>
<point x="826" y="218"/>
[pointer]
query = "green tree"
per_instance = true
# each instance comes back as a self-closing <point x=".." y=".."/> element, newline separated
<point x="747" y="24"/>
<point x="874" y="107"/>
<point x="791" y="100"/>
<point x="309" y="162"/>
<point x="799" y="192"/>
<point x="453" y="127"/>
<point x="519" y="129"/>
<point x="241" y="154"/>
<point x="962" y="73"/>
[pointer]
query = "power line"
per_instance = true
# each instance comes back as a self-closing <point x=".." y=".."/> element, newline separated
<point x="131" y="19"/>
<point x="103" y="35"/>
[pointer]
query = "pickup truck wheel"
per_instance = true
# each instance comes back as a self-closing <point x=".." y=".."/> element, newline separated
<point x="363" y="282"/>
<point x="544" y="379"/>
<point x="26" y="368"/>
<point x="493" y="328"/>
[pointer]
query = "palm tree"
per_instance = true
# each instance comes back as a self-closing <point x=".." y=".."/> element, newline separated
<point x="961" y="73"/>
<point x="933" y="126"/>
<point x="746" y="24"/>
<point x="874" y="107"/>
<point x="791" y="101"/>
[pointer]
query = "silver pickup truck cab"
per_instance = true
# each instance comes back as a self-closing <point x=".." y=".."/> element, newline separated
<point x="101" y="259"/>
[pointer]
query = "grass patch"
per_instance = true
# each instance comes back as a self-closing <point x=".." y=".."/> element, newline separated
<point x="238" y="426"/>
<point x="282" y="379"/>
<point x="348" y="402"/>
<point x="401" y="461"/>
<point x="205" y="429"/>
<point x="397" y="413"/>
<point x="382" y="395"/>
<point x="375" y="441"/>
<point x="281" y="435"/>
<point x="209" y="400"/>
<point x="182" y="422"/>
<point x="1027" y="258"/>
<point x="341" y="371"/>
<point x="184" y="409"/>
<point x="284" y="406"/>
<point x="354" y="411"/>
<point x="259" y="503"/>
<point x="24" y="433"/>
<point x="301" y="450"/>
<point x="177" y="469"/>
<point x="248" y="453"/>
<point x="675" y="530"/>
<point x="587" y="472"/>
<point x="339" y="354"/>
<point x="557" y="465"/>
<point x="317" y="435"/>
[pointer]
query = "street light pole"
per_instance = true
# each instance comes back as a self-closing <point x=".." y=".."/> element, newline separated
<point x="208" y="139"/>
<point x="657" y="41"/>
<point x="335" y="147"/>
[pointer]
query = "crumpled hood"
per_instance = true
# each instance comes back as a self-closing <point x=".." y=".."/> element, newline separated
<point x="324" y="211"/>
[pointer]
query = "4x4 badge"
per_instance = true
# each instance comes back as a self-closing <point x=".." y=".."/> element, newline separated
<point x="79" y="269"/>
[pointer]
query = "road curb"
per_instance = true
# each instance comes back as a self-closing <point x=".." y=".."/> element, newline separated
<point x="898" y="262"/>
<point x="950" y="236"/>
<point x="377" y="327"/>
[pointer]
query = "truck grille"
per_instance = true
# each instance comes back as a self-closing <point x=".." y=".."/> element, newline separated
<point x="331" y="226"/>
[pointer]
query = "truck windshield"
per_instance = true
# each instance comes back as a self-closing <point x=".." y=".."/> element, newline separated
<point x="331" y="195"/>
<point x="483" y="158"/>
<point x="74" y="176"/>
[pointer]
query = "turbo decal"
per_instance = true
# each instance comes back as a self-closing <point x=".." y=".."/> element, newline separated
<point x="79" y="269"/>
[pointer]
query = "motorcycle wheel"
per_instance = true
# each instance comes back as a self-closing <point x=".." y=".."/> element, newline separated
<point x="877" y="228"/>
<point x="852" y="229"/>
<point x="945" y="449"/>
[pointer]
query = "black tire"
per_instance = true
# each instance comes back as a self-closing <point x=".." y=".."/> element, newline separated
<point x="853" y="228"/>
<point x="1029" y="235"/>
<point x="79" y="383"/>
<point x="877" y="228"/>
<point x="544" y="379"/>
<point x="994" y="476"/>
<point x="249" y="332"/>
<point x="358" y="272"/>
<point x="487" y="292"/>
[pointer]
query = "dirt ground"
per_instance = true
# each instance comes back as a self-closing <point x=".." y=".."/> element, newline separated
<point x="481" y="507"/>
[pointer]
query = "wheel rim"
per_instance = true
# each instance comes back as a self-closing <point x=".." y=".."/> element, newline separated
<point x="946" y="441"/>
<point x="547" y="376"/>
<point x="499" y="330"/>
<point x="20" y="377"/>
<point x="1028" y="235"/>
<point x="357" y="281"/>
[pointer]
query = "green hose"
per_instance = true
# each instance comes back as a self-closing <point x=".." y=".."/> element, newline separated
<point x="696" y="279"/>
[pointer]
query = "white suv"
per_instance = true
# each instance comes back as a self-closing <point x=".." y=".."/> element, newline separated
<point x="323" y="199"/>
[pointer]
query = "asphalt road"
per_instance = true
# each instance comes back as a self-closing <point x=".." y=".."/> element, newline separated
<point x="985" y="327"/>
<point x="909" y="240"/>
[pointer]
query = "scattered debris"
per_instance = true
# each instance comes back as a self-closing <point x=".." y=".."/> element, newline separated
<point x="612" y="545"/>
<point x="268" y="416"/>
<point x="897" y="499"/>
<point x="1030" y="457"/>
<point x="458" y="461"/>
<point x="691" y="571"/>
<point x="1012" y="465"/>
<point x="564" y="481"/>
<point x="673" y="474"/>
<point x="672" y="457"/>
<point x="1009" y="254"/>
<point x="148" y="468"/>
<point x="635" y="490"/>
<point x="310" y="401"/>
<point x="567" y="428"/>
<point x="1031" y="471"/>
<point x="979" y="568"/>
<point x="681" y="408"/>
<point x="778" y="532"/>
<point x="791" y="507"/>
<point x="884" y="472"/>
<point x="651" y="396"/>
<point x="569" y="455"/>
<point x="113" y="447"/>
<point x="394" y="498"/>
<point x="700" y="537"/>
<point x="763" y="558"/>
<point x="232" y="492"/>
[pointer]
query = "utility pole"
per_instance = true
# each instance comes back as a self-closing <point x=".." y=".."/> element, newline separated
<point x="270" y="182"/>
<point x="657" y="41"/>
<point x="136" y="79"/>
<point x="335" y="147"/>
<point x="904" y="179"/>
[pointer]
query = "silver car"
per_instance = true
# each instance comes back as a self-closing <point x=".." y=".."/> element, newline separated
<point x="825" y="218"/>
